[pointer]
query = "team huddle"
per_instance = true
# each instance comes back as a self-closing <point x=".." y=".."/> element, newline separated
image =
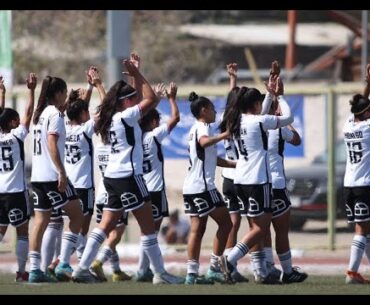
<point x="253" y="128"/>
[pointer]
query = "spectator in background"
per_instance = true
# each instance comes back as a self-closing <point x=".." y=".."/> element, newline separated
<point x="176" y="231"/>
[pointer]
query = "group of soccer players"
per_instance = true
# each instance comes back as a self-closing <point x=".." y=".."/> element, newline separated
<point x="254" y="128"/>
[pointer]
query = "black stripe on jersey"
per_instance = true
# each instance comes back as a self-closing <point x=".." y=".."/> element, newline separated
<point x="130" y="137"/>
<point x="160" y="158"/>
<point x="89" y="142"/>
<point x="201" y="155"/>
<point x="264" y="137"/>
<point x="281" y="143"/>
<point x="21" y="150"/>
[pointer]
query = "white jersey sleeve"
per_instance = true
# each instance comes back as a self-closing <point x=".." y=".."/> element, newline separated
<point x="269" y="121"/>
<point x="89" y="128"/>
<point x="132" y="115"/>
<point x="287" y="134"/>
<point x="161" y="132"/>
<point x="20" y="132"/>
<point x="51" y="121"/>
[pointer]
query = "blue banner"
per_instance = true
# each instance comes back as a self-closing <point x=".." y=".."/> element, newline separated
<point x="175" y="146"/>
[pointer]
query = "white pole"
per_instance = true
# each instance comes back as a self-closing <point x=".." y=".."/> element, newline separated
<point x="364" y="43"/>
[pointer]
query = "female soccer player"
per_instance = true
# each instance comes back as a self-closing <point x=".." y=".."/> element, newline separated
<point x="14" y="205"/>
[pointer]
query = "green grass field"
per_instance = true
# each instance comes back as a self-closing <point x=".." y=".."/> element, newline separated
<point x="314" y="285"/>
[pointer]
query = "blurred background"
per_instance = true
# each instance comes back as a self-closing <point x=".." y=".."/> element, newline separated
<point x="323" y="55"/>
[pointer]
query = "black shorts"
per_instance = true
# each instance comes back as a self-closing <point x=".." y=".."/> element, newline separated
<point x="87" y="200"/>
<point x="255" y="199"/>
<point x="230" y="197"/>
<point x="357" y="201"/>
<point x="159" y="204"/>
<point x="47" y="197"/>
<point x="126" y="193"/>
<point x="123" y="220"/>
<point x="203" y="203"/>
<point x="14" y="209"/>
<point x="280" y="202"/>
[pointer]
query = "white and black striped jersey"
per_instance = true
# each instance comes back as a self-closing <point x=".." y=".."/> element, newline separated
<point x="252" y="166"/>
<point x="101" y="153"/>
<point x="276" y="142"/>
<point x="201" y="174"/>
<point x="78" y="158"/>
<point x="126" y="157"/>
<point x="51" y="121"/>
<point x="153" y="158"/>
<point x="12" y="171"/>
<point x="357" y="140"/>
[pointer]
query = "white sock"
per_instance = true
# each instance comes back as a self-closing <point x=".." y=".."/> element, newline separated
<point x="286" y="262"/>
<point x="95" y="240"/>
<point x="69" y="242"/>
<point x="192" y="266"/>
<point x="151" y="248"/>
<point x="367" y="248"/>
<point x="114" y="262"/>
<point x="227" y="251"/>
<point x="22" y="252"/>
<point x="58" y="241"/>
<point x="259" y="263"/>
<point x="144" y="262"/>
<point x="239" y="251"/>
<point x="104" y="254"/>
<point x="357" y="251"/>
<point x="35" y="259"/>
<point x="53" y="230"/>
<point x="269" y="255"/>
<point x="81" y="244"/>
<point x="214" y="262"/>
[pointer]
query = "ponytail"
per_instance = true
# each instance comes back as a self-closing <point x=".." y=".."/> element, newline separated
<point x="42" y="102"/>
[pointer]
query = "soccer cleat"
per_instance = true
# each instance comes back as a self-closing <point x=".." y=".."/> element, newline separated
<point x="215" y="275"/>
<point x="167" y="278"/>
<point x="274" y="272"/>
<point x="238" y="277"/>
<point x="53" y="265"/>
<point x="355" y="278"/>
<point x="294" y="277"/>
<point x="267" y="280"/>
<point x="120" y="276"/>
<point x="83" y="276"/>
<point x="226" y="269"/>
<point x="192" y="278"/>
<point x="147" y="276"/>
<point x="96" y="269"/>
<point x="37" y="276"/>
<point x="21" y="276"/>
<point x="63" y="272"/>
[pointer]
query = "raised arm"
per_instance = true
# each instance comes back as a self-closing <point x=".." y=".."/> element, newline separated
<point x="232" y="70"/>
<point x="136" y="60"/>
<point x="2" y="92"/>
<point x="286" y="117"/>
<point x="175" y="114"/>
<point x="271" y="87"/>
<point x="149" y="98"/>
<point x="206" y="141"/>
<point x="31" y="85"/>
<point x="367" y="79"/>
<point x="97" y="82"/>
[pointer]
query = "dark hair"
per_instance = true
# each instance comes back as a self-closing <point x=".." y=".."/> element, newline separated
<point x="153" y="114"/>
<point x="197" y="103"/>
<point x="359" y="105"/>
<point x="246" y="99"/>
<point x="50" y="86"/>
<point x="230" y="106"/>
<point x="109" y="107"/>
<point x="75" y="106"/>
<point x="6" y="116"/>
